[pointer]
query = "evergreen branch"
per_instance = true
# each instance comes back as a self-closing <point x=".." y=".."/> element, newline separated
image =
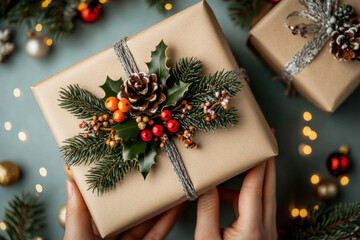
<point x="79" y="150"/>
<point x="243" y="11"/>
<point x="338" y="222"/>
<point x="106" y="173"/>
<point x="24" y="218"/>
<point x="187" y="70"/>
<point x="224" y="119"/>
<point x="81" y="103"/>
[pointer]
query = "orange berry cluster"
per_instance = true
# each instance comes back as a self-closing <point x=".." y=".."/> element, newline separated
<point x="208" y="107"/>
<point x="188" y="138"/>
<point x="184" y="108"/>
<point x="119" y="107"/>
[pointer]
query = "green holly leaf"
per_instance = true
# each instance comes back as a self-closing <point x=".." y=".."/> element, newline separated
<point x="111" y="87"/>
<point x="175" y="93"/>
<point x="127" y="130"/>
<point x="158" y="61"/>
<point x="134" y="150"/>
<point x="148" y="159"/>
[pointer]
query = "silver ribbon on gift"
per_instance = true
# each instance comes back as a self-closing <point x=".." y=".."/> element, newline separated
<point x="319" y="12"/>
<point x="127" y="61"/>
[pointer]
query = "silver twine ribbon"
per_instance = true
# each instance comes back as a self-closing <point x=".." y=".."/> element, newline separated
<point x="127" y="61"/>
<point x="318" y="11"/>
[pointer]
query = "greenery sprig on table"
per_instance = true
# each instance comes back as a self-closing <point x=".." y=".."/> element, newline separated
<point x="125" y="129"/>
<point x="337" y="222"/>
<point x="24" y="218"/>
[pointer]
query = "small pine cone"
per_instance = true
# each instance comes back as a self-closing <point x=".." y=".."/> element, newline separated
<point x="143" y="92"/>
<point x="345" y="43"/>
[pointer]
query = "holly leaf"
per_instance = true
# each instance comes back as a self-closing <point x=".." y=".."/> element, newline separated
<point x="134" y="150"/>
<point x="127" y="130"/>
<point x="175" y="93"/>
<point x="111" y="87"/>
<point x="148" y="159"/>
<point x="158" y="61"/>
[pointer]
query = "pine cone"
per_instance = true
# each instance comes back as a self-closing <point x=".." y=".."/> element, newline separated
<point x="143" y="92"/>
<point x="345" y="43"/>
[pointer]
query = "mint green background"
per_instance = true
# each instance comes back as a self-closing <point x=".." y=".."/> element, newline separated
<point x="125" y="18"/>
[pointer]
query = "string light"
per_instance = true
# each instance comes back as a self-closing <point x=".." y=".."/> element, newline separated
<point x="307" y="116"/>
<point x="306" y="131"/>
<point x="2" y="226"/>
<point x="39" y="188"/>
<point x="102" y="1"/>
<point x="313" y="135"/>
<point x="303" y="213"/>
<point x="17" y="92"/>
<point x="304" y="149"/>
<point x="344" y="180"/>
<point x="38" y="27"/>
<point x="22" y="136"/>
<point x="81" y="6"/>
<point x="43" y="172"/>
<point x="49" y="41"/>
<point x="7" y="126"/>
<point x="316" y="207"/>
<point x="295" y="212"/>
<point x="168" y="6"/>
<point x="315" y="179"/>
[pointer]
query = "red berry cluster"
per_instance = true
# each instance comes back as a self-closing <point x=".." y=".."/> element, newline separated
<point x="157" y="130"/>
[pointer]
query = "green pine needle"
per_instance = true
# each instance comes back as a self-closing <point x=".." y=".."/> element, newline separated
<point x="187" y="70"/>
<point x="242" y="12"/>
<point x="81" y="103"/>
<point x="24" y="218"/>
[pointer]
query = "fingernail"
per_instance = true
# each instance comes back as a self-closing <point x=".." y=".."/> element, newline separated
<point x="69" y="189"/>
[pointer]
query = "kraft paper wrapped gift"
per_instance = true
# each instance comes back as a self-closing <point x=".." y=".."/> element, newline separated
<point x="223" y="154"/>
<point x="326" y="82"/>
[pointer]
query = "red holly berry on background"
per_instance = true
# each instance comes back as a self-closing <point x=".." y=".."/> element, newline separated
<point x="90" y="14"/>
<point x="173" y="125"/>
<point x="274" y="1"/>
<point x="158" y="130"/>
<point x="166" y="115"/>
<point x="338" y="163"/>
<point x="146" y="135"/>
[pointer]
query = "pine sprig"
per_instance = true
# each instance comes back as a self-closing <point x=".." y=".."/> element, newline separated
<point x="243" y="11"/>
<point x="108" y="172"/>
<point x="338" y="222"/>
<point x="24" y="218"/>
<point x="79" y="150"/>
<point x="187" y="70"/>
<point x="81" y="103"/>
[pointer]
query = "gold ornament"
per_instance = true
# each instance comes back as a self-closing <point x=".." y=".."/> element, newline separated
<point x="326" y="190"/>
<point x="61" y="215"/>
<point x="36" y="47"/>
<point x="9" y="173"/>
<point x="68" y="171"/>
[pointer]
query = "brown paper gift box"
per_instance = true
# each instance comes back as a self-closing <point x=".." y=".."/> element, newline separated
<point x="326" y="82"/>
<point x="222" y="155"/>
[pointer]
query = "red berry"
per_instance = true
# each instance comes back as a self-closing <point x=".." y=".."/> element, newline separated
<point x="146" y="135"/>
<point x="173" y="125"/>
<point x="166" y="115"/>
<point x="90" y="15"/>
<point x="158" y="130"/>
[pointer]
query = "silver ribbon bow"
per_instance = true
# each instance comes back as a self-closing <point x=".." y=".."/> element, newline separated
<point x="320" y="12"/>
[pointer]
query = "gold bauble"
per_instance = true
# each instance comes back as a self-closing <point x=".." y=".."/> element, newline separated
<point x="326" y="190"/>
<point x="61" y="215"/>
<point x="67" y="171"/>
<point x="9" y="173"/>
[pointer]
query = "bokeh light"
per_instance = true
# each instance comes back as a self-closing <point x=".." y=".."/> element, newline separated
<point x="303" y="213"/>
<point x="7" y="126"/>
<point x="17" y="92"/>
<point x="49" y="41"/>
<point x="168" y="6"/>
<point x="307" y="150"/>
<point x="38" y="27"/>
<point x="43" y="172"/>
<point x="315" y="179"/>
<point x="22" y="136"/>
<point x="2" y="226"/>
<point x="295" y="212"/>
<point x="38" y="188"/>
<point x="102" y="1"/>
<point x="316" y="207"/>
<point x="344" y="180"/>
<point x="306" y="130"/>
<point x="307" y="116"/>
<point x="313" y="135"/>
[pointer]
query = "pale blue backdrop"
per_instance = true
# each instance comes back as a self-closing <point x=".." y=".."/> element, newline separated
<point x="125" y="18"/>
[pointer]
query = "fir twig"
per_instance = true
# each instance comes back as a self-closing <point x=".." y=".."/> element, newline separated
<point x="187" y="70"/>
<point x="106" y="173"/>
<point x="79" y="150"/>
<point x="338" y="222"/>
<point x="243" y="11"/>
<point x="24" y="218"/>
<point x="81" y="103"/>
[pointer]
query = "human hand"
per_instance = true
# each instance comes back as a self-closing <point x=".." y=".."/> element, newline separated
<point x="78" y="224"/>
<point x="254" y="206"/>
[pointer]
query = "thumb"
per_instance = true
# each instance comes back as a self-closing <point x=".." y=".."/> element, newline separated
<point x="78" y="221"/>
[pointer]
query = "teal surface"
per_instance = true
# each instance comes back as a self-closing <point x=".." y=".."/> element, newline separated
<point x="125" y="18"/>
